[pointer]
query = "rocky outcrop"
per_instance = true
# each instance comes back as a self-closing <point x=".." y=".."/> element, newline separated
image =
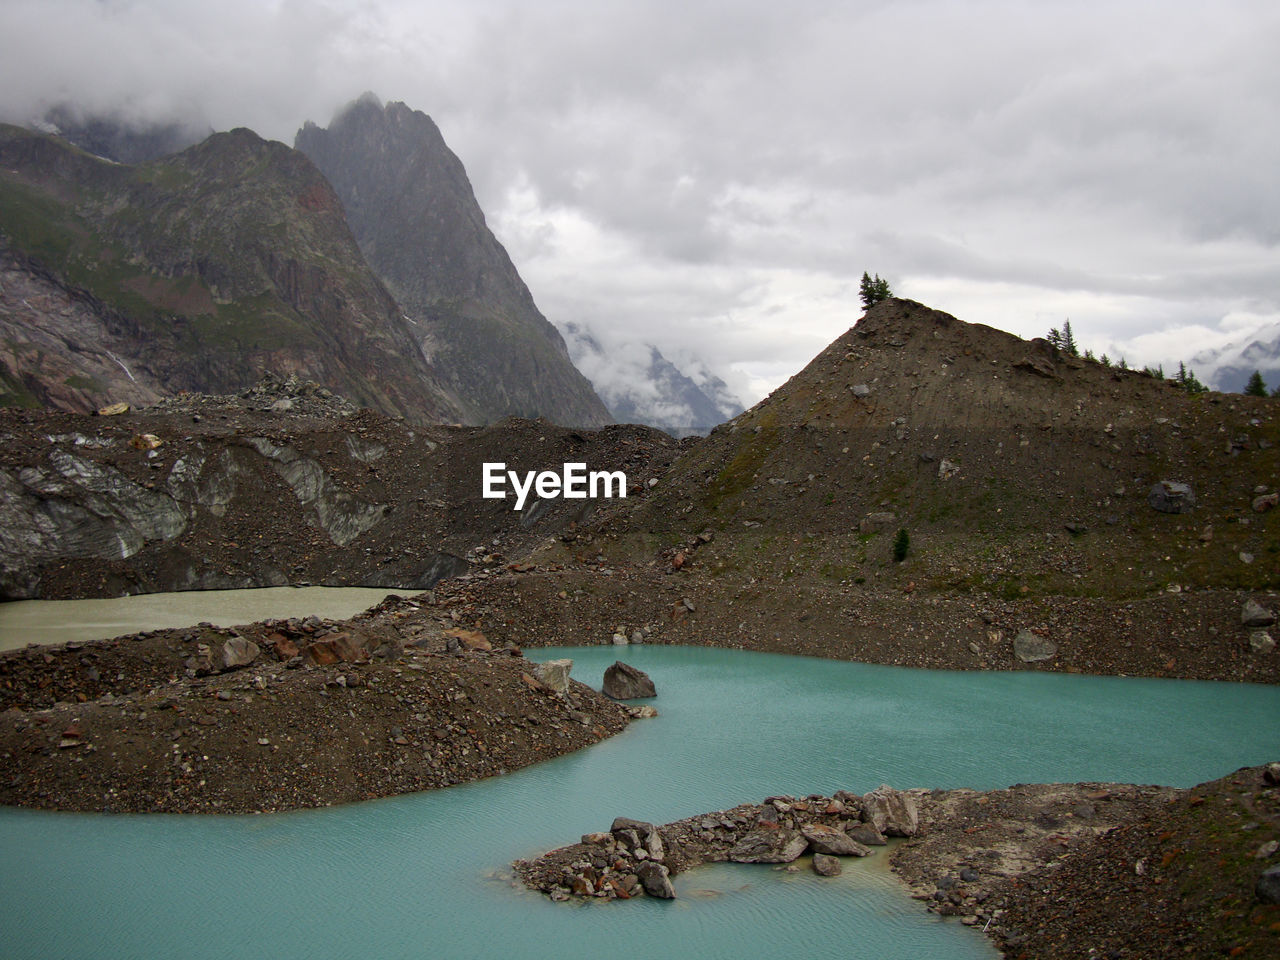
<point x="625" y="682"/>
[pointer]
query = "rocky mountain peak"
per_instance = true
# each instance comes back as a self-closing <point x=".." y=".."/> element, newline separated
<point x="197" y="272"/>
<point x="415" y="216"/>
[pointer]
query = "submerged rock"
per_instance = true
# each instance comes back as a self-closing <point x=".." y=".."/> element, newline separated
<point x="826" y="866"/>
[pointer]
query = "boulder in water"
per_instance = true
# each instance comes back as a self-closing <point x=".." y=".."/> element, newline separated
<point x="624" y="682"/>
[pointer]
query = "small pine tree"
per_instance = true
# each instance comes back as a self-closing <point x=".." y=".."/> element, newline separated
<point x="901" y="544"/>
<point x="872" y="290"/>
<point x="1088" y="355"/>
<point x="1124" y="364"/>
<point x="1193" y="384"/>
<point x="1055" y="338"/>
<point x="1069" y="346"/>
<point x="1256" y="387"/>
<point x="1104" y="360"/>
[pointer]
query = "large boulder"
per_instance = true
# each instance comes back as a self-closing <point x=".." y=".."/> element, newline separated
<point x="1032" y="648"/>
<point x="768" y="846"/>
<point x="335" y="648"/>
<point x="555" y="674"/>
<point x="1168" y="496"/>
<point x="832" y="841"/>
<point x="624" y="682"/>
<point x="238" y="652"/>
<point x="1255" y="614"/>
<point x="867" y="834"/>
<point x="1267" y="888"/>
<point x="656" y="879"/>
<point x="892" y="811"/>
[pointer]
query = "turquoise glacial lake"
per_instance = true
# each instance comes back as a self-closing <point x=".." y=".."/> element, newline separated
<point x="426" y="876"/>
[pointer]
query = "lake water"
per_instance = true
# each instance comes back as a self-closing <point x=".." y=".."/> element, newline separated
<point x="57" y="621"/>
<point x="425" y="875"/>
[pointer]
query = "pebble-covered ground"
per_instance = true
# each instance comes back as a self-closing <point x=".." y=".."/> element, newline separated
<point x="147" y="723"/>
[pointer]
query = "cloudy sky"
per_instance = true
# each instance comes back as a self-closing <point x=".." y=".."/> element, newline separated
<point x="716" y="176"/>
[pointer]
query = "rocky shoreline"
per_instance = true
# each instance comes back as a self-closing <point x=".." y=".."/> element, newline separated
<point x="636" y="858"/>
<point x="1048" y="871"/>
<point x="279" y="715"/>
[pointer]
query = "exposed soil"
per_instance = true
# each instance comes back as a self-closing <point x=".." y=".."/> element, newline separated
<point x="587" y="599"/>
<point x="122" y="725"/>
<point x="1105" y="870"/>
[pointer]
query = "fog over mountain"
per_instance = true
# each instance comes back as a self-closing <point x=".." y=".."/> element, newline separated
<point x="1229" y="367"/>
<point x="640" y="385"/>
<point x="719" y="176"/>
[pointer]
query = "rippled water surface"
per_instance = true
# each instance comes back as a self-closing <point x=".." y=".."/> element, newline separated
<point x="425" y="875"/>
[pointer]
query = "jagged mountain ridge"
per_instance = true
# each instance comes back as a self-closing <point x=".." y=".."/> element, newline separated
<point x="196" y="272"/>
<point x="415" y="216"/>
<point x="640" y="385"/>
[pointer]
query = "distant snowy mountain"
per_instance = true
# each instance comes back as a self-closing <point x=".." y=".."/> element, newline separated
<point x="639" y="385"/>
<point x="1228" y="368"/>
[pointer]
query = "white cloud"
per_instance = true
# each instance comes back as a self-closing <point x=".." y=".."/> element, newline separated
<point x="718" y="174"/>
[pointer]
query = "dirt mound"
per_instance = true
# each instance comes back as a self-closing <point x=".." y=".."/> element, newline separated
<point x="322" y="713"/>
<point x="1176" y="876"/>
<point x="1014" y="469"/>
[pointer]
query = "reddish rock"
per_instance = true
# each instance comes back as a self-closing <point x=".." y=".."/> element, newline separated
<point x="470" y="639"/>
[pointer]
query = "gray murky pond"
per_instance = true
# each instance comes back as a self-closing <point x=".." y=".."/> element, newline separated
<point x="44" y="621"/>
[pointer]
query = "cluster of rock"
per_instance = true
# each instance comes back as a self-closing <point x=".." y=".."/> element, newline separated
<point x="274" y="393"/>
<point x="1256" y="618"/>
<point x="295" y="642"/>
<point x="635" y="858"/>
